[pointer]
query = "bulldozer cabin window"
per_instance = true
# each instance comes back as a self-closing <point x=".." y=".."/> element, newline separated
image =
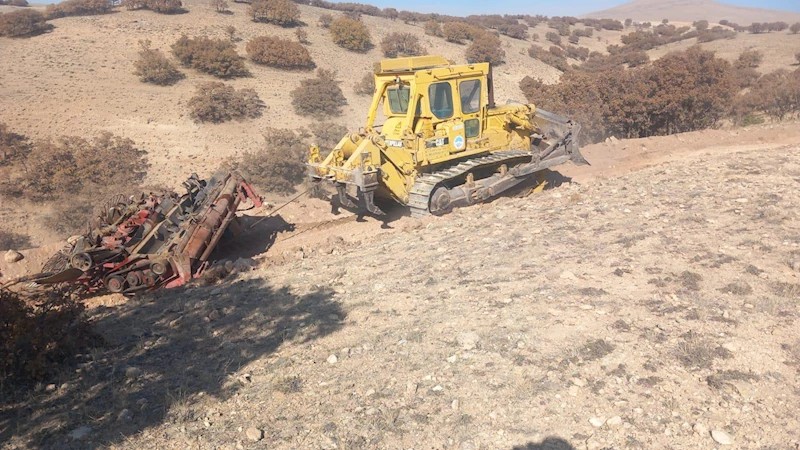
<point x="470" y="92"/>
<point x="398" y="99"/>
<point x="441" y="98"/>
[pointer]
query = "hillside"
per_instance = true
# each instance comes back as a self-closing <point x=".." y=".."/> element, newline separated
<point x="652" y="305"/>
<point x="692" y="10"/>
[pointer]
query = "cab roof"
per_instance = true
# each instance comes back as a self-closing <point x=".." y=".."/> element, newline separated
<point x="411" y="64"/>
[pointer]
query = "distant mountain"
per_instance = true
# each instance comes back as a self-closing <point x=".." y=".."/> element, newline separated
<point x="691" y="10"/>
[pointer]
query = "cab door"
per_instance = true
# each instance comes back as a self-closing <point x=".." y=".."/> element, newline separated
<point x="469" y="93"/>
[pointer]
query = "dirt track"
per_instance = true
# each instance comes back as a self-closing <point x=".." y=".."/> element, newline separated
<point x="645" y="307"/>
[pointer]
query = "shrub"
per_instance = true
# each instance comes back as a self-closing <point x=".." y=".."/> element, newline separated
<point x="38" y="334"/>
<point x="279" y="12"/>
<point x="390" y="13"/>
<point x="401" y="44"/>
<point x="22" y="23"/>
<point x="213" y="56"/>
<point x="777" y="94"/>
<point x="432" y="28"/>
<point x="457" y="32"/>
<point x="680" y="92"/>
<point x="221" y="6"/>
<point x="11" y="240"/>
<point x="701" y="25"/>
<point x="535" y="37"/>
<point x="366" y="86"/>
<point x="635" y="59"/>
<point x="714" y="34"/>
<point x="13" y="147"/>
<point x="280" y="53"/>
<point x="159" y="6"/>
<point x="77" y="8"/>
<point x="797" y="57"/>
<point x="18" y="3"/>
<point x="217" y="102"/>
<point x="515" y="30"/>
<point x="350" y="34"/>
<point x="548" y="58"/>
<point x="749" y="59"/>
<point x="230" y="30"/>
<point x="154" y="67"/>
<point x="557" y="51"/>
<point x="327" y="134"/>
<point x="553" y="37"/>
<point x="795" y="28"/>
<point x="574" y="40"/>
<point x="580" y="53"/>
<point x="486" y="48"/>
<point x="319" y="96"/>
<point x="277" y="167"/>
<point x="325" y="20"/>
<point x="73" y="166"/>
<point x="628" y="22"/>
<point x="302" y="36"/>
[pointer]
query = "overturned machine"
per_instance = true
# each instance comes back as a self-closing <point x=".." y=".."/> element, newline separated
<point x="152" y="240"/>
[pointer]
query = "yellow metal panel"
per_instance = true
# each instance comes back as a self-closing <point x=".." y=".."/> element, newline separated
<point x="412" y="64"/>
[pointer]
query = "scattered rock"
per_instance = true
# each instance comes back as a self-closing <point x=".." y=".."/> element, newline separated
<point x="332" y="359"/>
<point x="567" y="275"/>
<point x="254" y="434"/>
<point x="700" y="429"/>
<point x="597" y="422"/>
<point x="13" y="256"/>
<point x="132" y="373"/>
<point x="614" y="422"/>
<point x="125" y="415"/>
<point x="80" y="433"/>
<point x="468" y="340"/>
<point x="721" y="437"/>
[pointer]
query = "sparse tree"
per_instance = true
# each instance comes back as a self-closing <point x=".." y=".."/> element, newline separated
<point x="320" y="96"/>
<point x="795" y="28"/>
<point x="401" y="44"/>
<point x="350" y="34"/>
<point x="154" y="67"/>
<point x="302" y="36"/>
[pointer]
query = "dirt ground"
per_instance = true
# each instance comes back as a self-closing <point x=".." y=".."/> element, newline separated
<point x="649" y="303"/>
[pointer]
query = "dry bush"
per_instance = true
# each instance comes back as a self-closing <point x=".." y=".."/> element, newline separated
<point x="516" y="30"/>
<point x="432" y="28"/>
<point x="327" y="134"/>
<point x="401" y="44"/>
<point x="635" y="59"/>
<point x="797" y="57"/>
<point x="350" y="34"/>
<point x="213" y="56"/>
<point x="325" y="20"/>
<point x="38" y="334"/>
<point x="70" y="166"/>
<point x="281" y="53"/>
<point x="19" y="3"/>
<point x="486" y="48"/>
<point x="320" y="96"/>
<point x="302" y="36"/>
<point x="553" y="37"/>
<point x="230" y="30"/>
<point x="279" y="12"/>
<point x="221" y="6"/>
<point x="776" y="94"/>
<point x="78" y="8"/>
<point x="279" y="166"/>
<point x="11" y="240"/>
<point x="701" y="25"/>
<point x="458" y="32"/>
<point x="366" y="86"/>
<point x="580" y="53"/>
<point x="13" y="147"/>
<point x="159" y="6"/>
<point x="749" y="59"/>
<point x="154" y="67"/>
<point x="714" y="34"/>
<point x="23" y="23"/>
<point x="548" y="58"/>
<point x="680" y="92"/>
<point x="795" y="28"/>
<point x="217" y="102"/>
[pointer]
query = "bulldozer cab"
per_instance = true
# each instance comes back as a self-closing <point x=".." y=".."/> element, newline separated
<point x="426" y="97"/>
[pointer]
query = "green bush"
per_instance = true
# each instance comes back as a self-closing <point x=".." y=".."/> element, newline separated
<point x="154" y="67"/>
<point x="350" y="34"/>
<point x="23" y="23"/>
<point x="401" y="44"/>
<point x="213" y="56"/>
<point x="320" y="96"/>
<point x="279" y="12"/>
<point x="217" y="102"/>
<point x="280" y="53"/>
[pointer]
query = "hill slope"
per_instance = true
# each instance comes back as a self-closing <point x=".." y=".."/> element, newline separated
<point x="691" y="10"/>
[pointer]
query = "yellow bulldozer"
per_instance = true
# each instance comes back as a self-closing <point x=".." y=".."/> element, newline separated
<point x="443" y="142"/>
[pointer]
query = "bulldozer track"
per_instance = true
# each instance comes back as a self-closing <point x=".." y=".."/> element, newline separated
<point x="420" y="194"/>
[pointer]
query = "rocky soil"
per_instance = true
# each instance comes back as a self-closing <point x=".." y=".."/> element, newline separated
<point x="656" y="308"/>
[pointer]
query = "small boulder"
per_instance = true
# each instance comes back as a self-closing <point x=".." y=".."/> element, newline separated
<point x="254" y="434"/>
<point x="13" y="256"/>
<point x="468" y="340"/>
<point x="721" y="437"/>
